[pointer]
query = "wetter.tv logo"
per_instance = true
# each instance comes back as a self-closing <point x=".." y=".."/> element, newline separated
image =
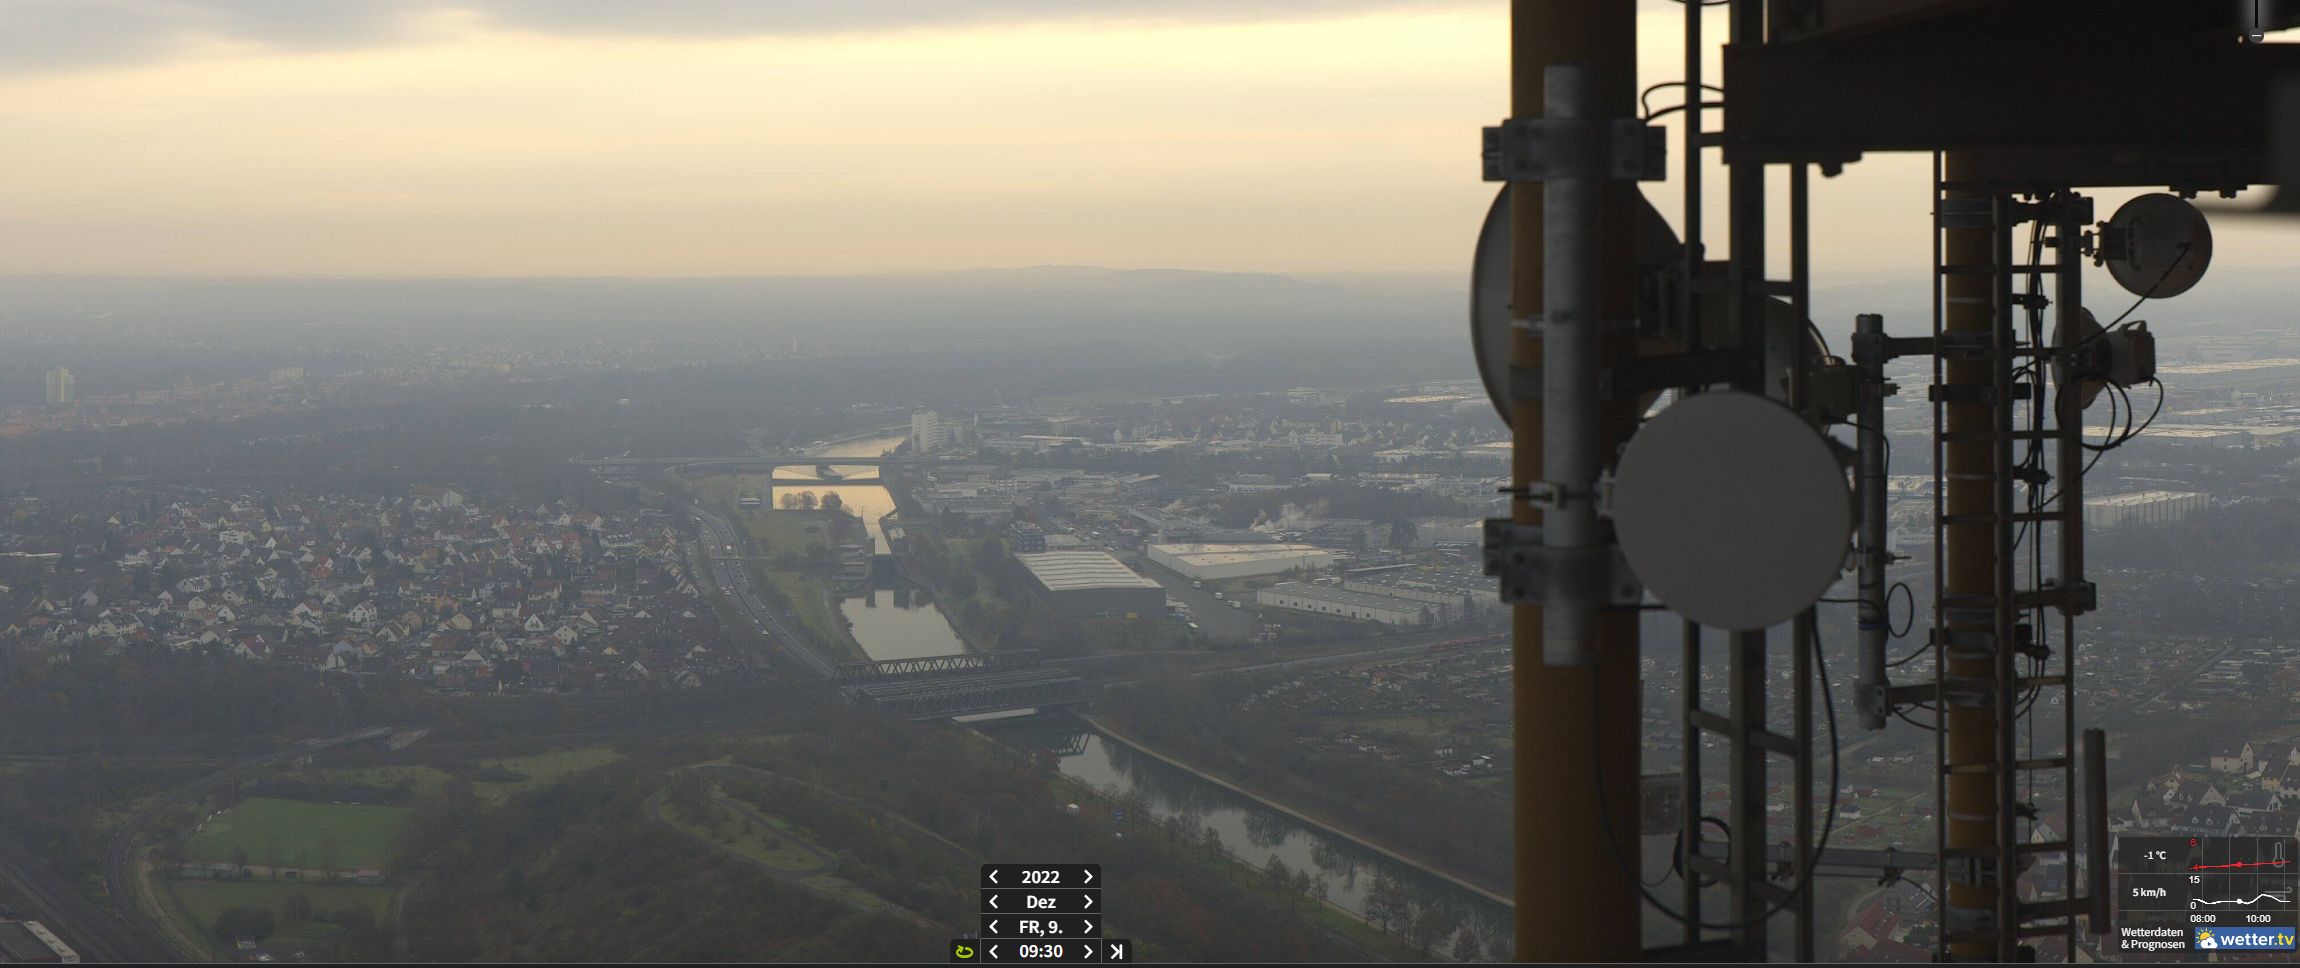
<point x="2245" y="939"/>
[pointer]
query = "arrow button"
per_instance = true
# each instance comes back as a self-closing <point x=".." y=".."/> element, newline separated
<point x="1090" y="875"/>
<point x="1089" y="903"/>
<point x="994" y="875"/>
<point x="992" y="901"/>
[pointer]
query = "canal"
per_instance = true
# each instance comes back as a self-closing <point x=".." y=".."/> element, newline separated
<point x="891" y="618"/>
<point x="1249" y="831"/>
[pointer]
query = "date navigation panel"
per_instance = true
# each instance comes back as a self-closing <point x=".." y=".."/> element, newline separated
<point x="1043" y="913"/>
<point x="1041" y="925"/>
<point x="1081" y="901"/>
<point x="996" y="876"/>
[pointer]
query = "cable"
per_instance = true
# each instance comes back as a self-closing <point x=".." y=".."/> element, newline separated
<point x="1805" y="869"/>
<point x="1901" y="586"/>
<point x="1674" y="108"/>
<point x="1677" y="852"/>
<point x="1645" y="105"/>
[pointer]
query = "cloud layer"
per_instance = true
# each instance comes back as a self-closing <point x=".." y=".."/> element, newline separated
<point x="38" y="36"/>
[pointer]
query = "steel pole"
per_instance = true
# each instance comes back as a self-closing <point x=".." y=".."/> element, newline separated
<point x="1571" y="322"/>
<point x="1575" y="862"/>
<point x="1869" y="446"/>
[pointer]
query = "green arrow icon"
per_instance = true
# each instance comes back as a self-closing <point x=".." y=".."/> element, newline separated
<point x="962" y="953"/>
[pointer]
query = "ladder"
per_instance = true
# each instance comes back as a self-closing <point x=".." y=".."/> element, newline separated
<point x="1990" y="645"/>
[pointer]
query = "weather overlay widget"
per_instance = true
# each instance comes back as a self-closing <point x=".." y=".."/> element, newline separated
<point x="2179" y="896"/>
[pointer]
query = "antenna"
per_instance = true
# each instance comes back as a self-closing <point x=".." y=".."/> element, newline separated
<point x="1733" y="510"/>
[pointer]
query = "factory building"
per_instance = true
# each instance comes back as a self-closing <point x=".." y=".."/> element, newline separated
<point x="1087" y="582"/>
<point x="1343" y="603"/>
<point x="2142" y="508"/>
<point x="1454" y="594"/>
<point x="1215" y="562"/>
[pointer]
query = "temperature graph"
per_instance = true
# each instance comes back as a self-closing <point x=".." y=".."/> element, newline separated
<point x="2193" y="894"/>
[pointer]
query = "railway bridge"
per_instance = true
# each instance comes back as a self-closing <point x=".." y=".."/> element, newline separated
<point x="943" y="686"/>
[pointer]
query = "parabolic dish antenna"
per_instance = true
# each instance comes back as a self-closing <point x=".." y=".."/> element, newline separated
<point x="2157" y="246"/>
<point x="1732" y="510"/>
<point x="1490" y="284"/>
<point x="1658" y="250"/>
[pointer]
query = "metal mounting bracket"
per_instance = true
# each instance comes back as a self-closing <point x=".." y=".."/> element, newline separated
<point x="1528" y="569"/>
<point x="1540" y="149"/>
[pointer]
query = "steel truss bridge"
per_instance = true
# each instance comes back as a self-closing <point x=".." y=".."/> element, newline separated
<point x="943" y="686"/>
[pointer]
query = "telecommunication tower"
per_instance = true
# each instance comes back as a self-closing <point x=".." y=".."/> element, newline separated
<point x="1733" y="507"/>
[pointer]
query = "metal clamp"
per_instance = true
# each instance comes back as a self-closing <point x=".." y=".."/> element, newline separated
<point x="1540" y="149"/>
<point x="1528" y="569"/>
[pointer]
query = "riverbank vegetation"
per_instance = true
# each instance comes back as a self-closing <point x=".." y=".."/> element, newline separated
<point x="1453" y="826"/>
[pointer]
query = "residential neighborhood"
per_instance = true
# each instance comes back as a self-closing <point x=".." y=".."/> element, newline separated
<point x="460" y="591"/>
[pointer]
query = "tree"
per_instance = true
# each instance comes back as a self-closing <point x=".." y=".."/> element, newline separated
<point x="1277" y="872"/>
<point x="832" y="502"/>
<point x="1465" y="946"/>
<point x="239" y="860"/>
<point x="807" y="500"/>
<point x="789" y="501"/>
<point x="296" y="909"/>
<point x="1428" y="926"/>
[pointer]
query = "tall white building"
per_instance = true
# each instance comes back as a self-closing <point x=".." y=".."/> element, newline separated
<point x="927" y="432"/>
<point x="59" y="388"/>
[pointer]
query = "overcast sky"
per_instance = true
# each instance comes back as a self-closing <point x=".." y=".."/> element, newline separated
<point x="742" y="137"/>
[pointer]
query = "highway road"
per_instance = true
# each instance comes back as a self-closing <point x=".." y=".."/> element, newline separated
<point x="734" y="579"/>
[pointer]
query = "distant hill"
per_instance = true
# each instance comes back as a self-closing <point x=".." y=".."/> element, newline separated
<point x="1059" y="303"/>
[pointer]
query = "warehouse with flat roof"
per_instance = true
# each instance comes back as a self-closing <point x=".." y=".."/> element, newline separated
<point x="1303" y="596"/>
<point x="1214" y="562"/>
<point x="2142" y="507"/>
<point x="1089" y="582"/>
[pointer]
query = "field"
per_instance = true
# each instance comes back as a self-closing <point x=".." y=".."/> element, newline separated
<point x="774" y="532"/>
<point x="296" y="833"/>
<point x="752" y="834"/>
<point x="198" y="903"/>
<point x="541" y="770"/>
<point x="811" y="608"/>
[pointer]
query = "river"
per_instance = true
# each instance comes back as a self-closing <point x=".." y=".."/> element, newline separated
<point x="1249" y="831"/>
<point x="892" y="619"/>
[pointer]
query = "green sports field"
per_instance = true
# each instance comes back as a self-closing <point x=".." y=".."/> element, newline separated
<point x="297" y="833"/>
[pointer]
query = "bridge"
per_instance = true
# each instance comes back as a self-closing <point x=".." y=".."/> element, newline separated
<point x="943" y="686"/>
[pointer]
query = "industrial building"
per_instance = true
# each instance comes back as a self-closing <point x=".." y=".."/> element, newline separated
<point x="1216" y="562"/>
<point x="1027" y="538"/>
<point x="1343" y="603"/>
<point x="1453" y="593"/>
<point x="1087" y="582"/>
<point x="2143" y="508"/>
